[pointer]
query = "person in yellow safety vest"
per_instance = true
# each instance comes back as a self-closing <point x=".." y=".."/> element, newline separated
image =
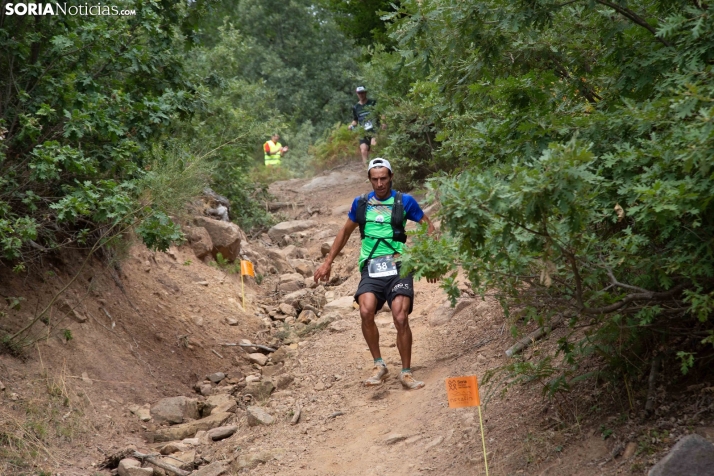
<point x="274" y="150"/>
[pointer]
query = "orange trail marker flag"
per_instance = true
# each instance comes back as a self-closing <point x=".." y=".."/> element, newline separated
<point x="463" y="392"/>
<point x="246" y="269"/>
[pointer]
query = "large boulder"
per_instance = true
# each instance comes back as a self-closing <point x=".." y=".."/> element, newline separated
<point x="200" y="241"/>
<point x="174" y="410"/>
<point x="288" y="227"/>
<point x="226" y="237"/>
<point x="691" y="456"/>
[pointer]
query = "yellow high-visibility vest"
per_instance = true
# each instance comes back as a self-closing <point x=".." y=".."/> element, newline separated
<point x="272" y="158"/>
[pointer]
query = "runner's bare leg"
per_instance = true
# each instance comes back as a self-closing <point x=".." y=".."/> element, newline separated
<point x="367" y="309"/>
<point x="364" y="150"/>
<point x="400" y="308"/>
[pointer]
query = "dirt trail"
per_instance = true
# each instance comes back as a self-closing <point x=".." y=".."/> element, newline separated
<point x="164" y="329"/>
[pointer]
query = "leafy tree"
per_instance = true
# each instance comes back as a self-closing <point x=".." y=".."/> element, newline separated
<point x="84" y="97"/>
<point x="573" y="142"/>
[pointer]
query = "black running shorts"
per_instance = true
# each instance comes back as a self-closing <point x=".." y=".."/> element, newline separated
<point x="386" y="288"/>
<point x="366" y="140"/>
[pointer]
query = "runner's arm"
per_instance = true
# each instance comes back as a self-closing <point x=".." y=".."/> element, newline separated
<point x="323" y="272"/>
<point x="431" y="229"/>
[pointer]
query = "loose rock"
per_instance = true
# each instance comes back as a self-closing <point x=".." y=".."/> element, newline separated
<point x="340" y="304"/>
<point x="288" y="310"/>
<point x="307" y="317"/>
<point x="132" y="467"/>
<point x="258" y="416"/>
<point x="394" y="438"/>
<point x="222" y="432"/>
<point x="187" y="430"/>
<point x="173" y="447"/>
<point x="257" y="358"/>
<point x="174" y="410"/>
<point x="216" y="377"/>
<point x="226" y="237"/>
<point x="288" y="227"/>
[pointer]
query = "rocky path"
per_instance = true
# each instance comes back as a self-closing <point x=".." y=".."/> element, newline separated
<point x="302" y="410"/>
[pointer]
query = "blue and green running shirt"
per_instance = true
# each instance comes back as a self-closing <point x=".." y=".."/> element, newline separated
<point x="378" y="224"/>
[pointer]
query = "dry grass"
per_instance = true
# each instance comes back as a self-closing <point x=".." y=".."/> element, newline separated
<point x="33" y="430"/>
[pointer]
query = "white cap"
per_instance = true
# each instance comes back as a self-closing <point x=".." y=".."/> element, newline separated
<point x="361" y="89"/>
<point x="379" y="162"/>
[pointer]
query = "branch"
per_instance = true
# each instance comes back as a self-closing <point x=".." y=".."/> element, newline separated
<point x="626" y="12"/>
<point x="634" y="297"/>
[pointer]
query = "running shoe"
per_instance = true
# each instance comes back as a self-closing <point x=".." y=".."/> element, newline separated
<point x="379" y="375"/>
<point x="409" y="382"/>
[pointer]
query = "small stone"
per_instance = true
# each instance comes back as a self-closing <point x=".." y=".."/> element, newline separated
<point x="216" y="377"/>
<point x="394" y="438"/>
<point x="206" y="389"/>
<point x="222" y="432"/>
<point x="132" y="467"/>
<point x="329" y="296"/>
<point x="280" y="355"/>
<point x="257" y="358"/>
<point x="290" y="320"/>
<point x="191" y="441"/>
<point x="629" y="450"/>
<point x="339" y="326"/>
<point x="307" y="317"/>
<point x="173" y="447"/>
<point x="249" y="350"/>
<point x="340" y="304"/>
<point x="480" y="358"/>
<point x="325" y="247"/>
<point x="144" y="413"/>
<point x="288" y="310"/>
<point x="2" y="387"/>
<point x="319" y="386"/>
<point x="14" y="397"/>
<point x="258" y="416"/>
<point x="252" y="378"/>
<point x="198" y="320"/>
<point x="202" y="283"/>
<point x="231" y="322"/>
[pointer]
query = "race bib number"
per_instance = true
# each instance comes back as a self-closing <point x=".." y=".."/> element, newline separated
<point x="382" y="266"/>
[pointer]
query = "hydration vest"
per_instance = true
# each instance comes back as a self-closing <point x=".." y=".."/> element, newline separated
<point x="399" y="234"/>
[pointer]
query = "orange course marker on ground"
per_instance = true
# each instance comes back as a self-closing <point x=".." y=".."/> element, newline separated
<point x="462" y="392"/>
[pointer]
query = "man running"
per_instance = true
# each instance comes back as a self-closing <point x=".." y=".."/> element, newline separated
<point x="381" y="216"/>
<point x="362" y="116"/>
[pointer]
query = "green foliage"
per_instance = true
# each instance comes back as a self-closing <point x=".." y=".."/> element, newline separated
<point x="571" y="150"/>
<point x="339" y="146"/>
<point x="157" y="231"/>
<point x="86" y="98"/>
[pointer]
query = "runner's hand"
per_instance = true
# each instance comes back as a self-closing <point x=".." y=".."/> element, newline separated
<point x="323" y="272"/>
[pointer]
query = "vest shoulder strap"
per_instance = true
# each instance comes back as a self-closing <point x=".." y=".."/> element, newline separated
<point x="399" y="233"/>
<point x="362" y="213"/>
